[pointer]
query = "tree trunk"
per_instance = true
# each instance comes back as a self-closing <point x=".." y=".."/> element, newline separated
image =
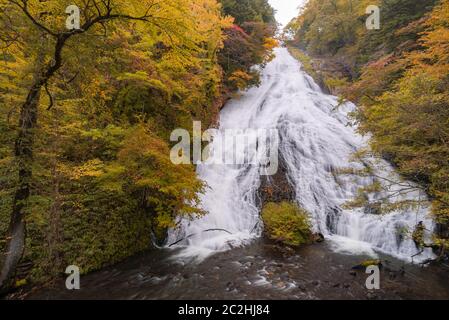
<point x="54" y="231"/>
<point x="15" y="241"/>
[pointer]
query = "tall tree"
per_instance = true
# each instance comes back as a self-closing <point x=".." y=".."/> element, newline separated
<point x="249" y="10"/>
<point x="35" y="30"/>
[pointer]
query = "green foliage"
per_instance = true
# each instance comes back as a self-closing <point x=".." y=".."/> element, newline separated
<point x="410" y="120"/>
<point x="249" y="10"/>
<point x="287" y="223"/>
<point x="325" y="27"/>
<point x="400" y="26"/>
<point x="247" y="43"/>
<point x="239" y="54"/>
<point x="336" y="28"/>
<point x="103" y="185"/>
<point x="400" y="83"/>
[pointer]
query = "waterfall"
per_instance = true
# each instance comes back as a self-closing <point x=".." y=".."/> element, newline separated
<point x="316" y="140"/>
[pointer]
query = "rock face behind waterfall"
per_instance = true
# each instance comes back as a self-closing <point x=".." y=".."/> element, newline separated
<point x="276" y="188"/>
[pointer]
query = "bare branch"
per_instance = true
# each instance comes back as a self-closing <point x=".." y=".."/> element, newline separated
<point x="24" y="8"/>
<point x="49" y="96"/>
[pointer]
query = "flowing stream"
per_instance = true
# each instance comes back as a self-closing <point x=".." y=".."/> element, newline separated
<point x="317" y="143"/>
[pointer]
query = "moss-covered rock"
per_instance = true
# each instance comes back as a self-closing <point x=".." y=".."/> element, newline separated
<point x="367" y="263"/>
<point x="287" y="223"/>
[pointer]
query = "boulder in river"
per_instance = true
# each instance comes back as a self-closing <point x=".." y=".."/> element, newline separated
<point x="365" y="264"/>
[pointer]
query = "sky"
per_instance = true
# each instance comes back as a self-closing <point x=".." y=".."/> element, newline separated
<point x="286" y="9"/>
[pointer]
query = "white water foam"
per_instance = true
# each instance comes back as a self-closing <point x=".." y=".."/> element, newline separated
<point x="316" y="140"/>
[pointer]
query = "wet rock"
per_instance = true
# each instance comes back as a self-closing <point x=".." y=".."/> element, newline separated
<point x="176" y="278"/>
<point x="284" y="276"/>
<point x="230" y="286"/>
<point x="332" y="218"/>
<point x="353" y="273"/>
<point x="373" y="208"/>
<point x="372" y="296"/>
<point x="318" y="238"/>
<point x="286" y="251"/>
<point x="276" y="188"/>
<point x="280" y="285"/>
<point x="159" y="235"/>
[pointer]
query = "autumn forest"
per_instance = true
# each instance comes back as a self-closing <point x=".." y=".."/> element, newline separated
<point x="86" y="120"/>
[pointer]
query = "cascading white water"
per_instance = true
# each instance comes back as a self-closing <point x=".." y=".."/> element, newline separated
<point x="316" y="140"/>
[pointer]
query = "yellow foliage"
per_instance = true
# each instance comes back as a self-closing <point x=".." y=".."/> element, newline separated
<point x="287" y="223"/>
<point x="240" y="78"/>
<point x="92" y="168"/>
<point x="269" y="45"/>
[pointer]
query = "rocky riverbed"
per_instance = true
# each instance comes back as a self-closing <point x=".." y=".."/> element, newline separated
<point x="261" y="270"/>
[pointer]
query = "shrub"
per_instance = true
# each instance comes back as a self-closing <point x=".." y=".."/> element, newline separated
<point x="287" y="223"/>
